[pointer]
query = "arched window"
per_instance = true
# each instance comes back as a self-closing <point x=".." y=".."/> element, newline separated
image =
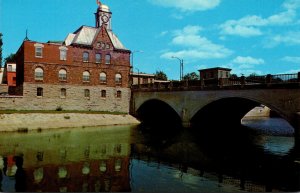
<point x="107" y="59"/>
<point x="102" y="77"/>
<point x="118" y="78"/>
<point x="98" y="58"/>
<point x="62" y="75"/>
<point x="119" y="94"/>
<point x="39" y="73"/>
<point x="85" y="57"/>
<point x="86" y="76"/>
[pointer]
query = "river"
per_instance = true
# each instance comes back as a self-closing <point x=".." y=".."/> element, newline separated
<point x="133" y="159"/>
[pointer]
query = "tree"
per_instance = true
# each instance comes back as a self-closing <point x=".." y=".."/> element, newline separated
<point x="1" y="43"/>
<point x="10" y="58"/>
<point x="160" y="75"/>
<point x="191" y="76"/>
<point x="233" y="76"/>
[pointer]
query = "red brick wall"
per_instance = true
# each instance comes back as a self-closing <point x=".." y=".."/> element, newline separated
<point x="10" y="78"/>
<point x="74" y="65"/>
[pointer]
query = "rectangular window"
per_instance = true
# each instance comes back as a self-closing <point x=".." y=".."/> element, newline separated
<point x="38" y="52"/>
<point x="85" y="57"/>
<point x="103" y="93"/>
<point x="39" y="92"/>
<point x="63" y="93"/>
<point x="63" y="54"/>
<point x="119" y="94"/>
<point x="9" y="69"/>
<point x="107" y="59"/>
<point x="145" y="80"/>
<point x="87" y="93"/>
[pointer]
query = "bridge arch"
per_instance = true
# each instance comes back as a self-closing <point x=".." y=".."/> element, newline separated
<point x="229" y="111"/>
<point x="155" y="112"/>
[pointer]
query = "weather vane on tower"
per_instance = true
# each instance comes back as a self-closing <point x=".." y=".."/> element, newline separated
<point x="98" y="3"/>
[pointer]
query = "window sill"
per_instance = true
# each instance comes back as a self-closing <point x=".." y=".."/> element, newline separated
<point x="39" y="97"/>
<point x="63" y="97"/>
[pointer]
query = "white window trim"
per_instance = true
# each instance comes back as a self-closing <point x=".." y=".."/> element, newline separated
<point x="63" y="48"/>
<point x="41" y="46"/>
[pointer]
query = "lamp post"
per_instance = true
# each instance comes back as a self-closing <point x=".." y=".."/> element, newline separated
<point x="181" y="67"/>
<point x="138" y="76"/>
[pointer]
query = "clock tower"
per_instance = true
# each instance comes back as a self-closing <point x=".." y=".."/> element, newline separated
<point x="103" y="16"/>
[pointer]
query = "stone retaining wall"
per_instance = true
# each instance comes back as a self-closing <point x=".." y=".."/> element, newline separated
<point x="74" y="100"/>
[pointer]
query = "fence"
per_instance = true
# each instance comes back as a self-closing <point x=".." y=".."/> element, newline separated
<point x="223" y="83"/>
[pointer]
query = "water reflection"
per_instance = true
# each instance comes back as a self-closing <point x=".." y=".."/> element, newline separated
<point x="87" y="160"/>
<point x="144" y="160"/>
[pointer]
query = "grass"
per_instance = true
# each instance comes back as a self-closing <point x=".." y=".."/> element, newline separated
<point x="58" y="112"/>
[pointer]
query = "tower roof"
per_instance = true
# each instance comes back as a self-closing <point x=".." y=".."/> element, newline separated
<point x="104" y="8"/>
<point x="86" y="35"/>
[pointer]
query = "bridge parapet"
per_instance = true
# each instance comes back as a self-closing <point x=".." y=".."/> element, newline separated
<point x="235" y="83"/>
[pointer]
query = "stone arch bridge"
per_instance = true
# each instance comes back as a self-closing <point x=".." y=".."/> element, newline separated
<point x="227" y="104"/>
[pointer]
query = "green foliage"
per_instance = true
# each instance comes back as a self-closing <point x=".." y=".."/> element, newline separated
<point x="10" y="58"/>
<point x="59" y="108"/>
<point x="233" y="76"/>
<point x="160" y="75"/>
<point x="191" y="76"/>
<point x="253" y="75"/>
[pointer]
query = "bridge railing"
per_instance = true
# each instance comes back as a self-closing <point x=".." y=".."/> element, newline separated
<point x="221" y="83"/>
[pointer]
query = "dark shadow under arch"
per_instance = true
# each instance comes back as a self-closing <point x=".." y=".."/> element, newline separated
<point x="157" y="113"/>
<point x="227" y="111"/>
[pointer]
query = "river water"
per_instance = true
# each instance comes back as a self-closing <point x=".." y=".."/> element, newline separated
<point x="134" y="159"/>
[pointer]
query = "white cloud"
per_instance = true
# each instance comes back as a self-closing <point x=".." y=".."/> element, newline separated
<point x="248" y="60"/>
<point x="290" y="38"/>
<point x="188" y="5"/>
<point x="251" y="25"/>
<point x="245" y="64"/>
<point x="195" y="46"/>
<point x="293" y="71"/>
<point x="291" y="59"/>
<point x="291" y="4"/>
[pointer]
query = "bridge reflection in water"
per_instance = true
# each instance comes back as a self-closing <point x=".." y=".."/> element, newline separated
<point x="146" y="159"/>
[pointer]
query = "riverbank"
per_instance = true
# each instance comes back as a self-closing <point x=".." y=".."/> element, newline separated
<point x="24" y="122"/>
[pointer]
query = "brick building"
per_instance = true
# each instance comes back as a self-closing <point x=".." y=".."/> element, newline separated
<point x="89" y="70"/>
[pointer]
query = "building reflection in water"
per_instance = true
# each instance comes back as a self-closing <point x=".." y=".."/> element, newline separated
<point x="87" y="160"/>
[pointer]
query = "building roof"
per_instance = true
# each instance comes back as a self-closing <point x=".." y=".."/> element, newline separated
<point x="216" y="68"/>
<point x="142" y="74"/>
<point x="86" y="35"/>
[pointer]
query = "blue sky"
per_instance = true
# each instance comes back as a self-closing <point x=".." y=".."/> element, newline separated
<point x="249" y="36"/>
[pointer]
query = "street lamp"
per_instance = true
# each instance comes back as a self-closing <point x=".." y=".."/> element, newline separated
<point x="132" y="53"/>
<point x="138" y="70"/>
<point x="181" y="66"/>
